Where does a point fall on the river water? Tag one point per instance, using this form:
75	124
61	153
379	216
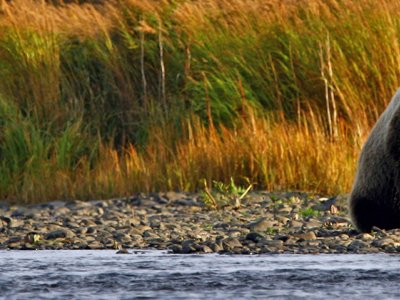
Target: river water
103	274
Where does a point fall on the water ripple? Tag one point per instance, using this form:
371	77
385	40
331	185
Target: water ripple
155	274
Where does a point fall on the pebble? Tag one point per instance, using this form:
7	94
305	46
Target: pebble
231	243
310	235
357	244
61	233
261	225
254	236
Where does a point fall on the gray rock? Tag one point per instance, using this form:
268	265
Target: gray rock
364	237
176	248
272	244
134	221
309	235
254	236
88	222
19	212
189	246
94	245
136	238
357	245
285	209
15	239
61	211
5	221
261	225
189	202
91	230
206	249
216	247
385	242
282	220
232	233
81	231
28	246
61	233
230	243
174	196
157	224
56	204
295	223
150	234
15	223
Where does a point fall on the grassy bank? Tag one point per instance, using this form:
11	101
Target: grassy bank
109	99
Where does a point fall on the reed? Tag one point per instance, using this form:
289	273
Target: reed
103	100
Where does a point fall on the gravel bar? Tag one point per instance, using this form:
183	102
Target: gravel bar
290	222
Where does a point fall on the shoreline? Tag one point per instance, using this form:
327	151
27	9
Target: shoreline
291	222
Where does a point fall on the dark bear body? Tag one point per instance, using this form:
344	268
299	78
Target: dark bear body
375	200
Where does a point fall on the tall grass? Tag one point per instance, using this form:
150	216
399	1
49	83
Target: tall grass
102	100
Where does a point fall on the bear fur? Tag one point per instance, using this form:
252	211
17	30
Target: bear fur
375	197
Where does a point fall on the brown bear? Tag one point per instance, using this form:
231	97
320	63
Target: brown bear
375	197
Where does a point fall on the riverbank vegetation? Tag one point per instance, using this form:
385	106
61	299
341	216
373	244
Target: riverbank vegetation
110	98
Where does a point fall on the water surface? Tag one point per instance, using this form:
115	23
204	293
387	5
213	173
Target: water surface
102	274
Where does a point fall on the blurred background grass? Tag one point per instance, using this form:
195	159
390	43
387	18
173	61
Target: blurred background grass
106	98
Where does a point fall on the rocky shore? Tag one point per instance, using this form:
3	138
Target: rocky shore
181	222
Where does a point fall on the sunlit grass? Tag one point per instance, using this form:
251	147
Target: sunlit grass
107	100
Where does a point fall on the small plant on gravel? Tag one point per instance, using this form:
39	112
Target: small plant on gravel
208	226
223	195
271	231
309	212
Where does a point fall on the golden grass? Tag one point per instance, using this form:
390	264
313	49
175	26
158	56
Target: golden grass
274	155
70	20
280	92
277	156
